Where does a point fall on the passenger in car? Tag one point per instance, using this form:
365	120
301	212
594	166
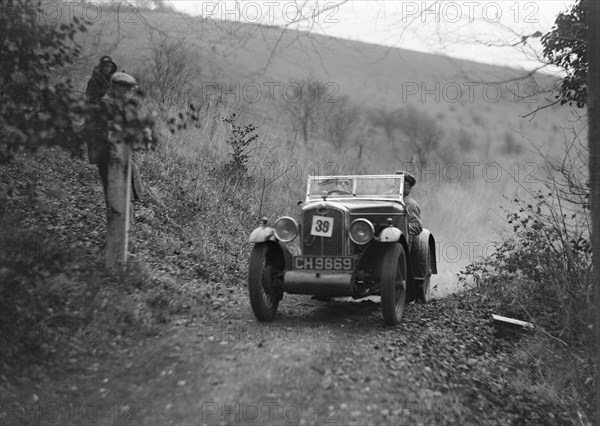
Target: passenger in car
415	226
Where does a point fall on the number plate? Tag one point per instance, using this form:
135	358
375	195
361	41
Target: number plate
322	226
324	263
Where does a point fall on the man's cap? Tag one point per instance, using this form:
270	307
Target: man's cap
123	79
407	177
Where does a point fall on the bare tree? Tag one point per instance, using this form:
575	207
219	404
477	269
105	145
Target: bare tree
342	122
173	68
387	121
303	101
420	132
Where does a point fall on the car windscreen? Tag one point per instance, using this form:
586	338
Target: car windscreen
356	187
378	187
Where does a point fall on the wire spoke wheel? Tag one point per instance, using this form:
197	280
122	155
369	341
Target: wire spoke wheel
264	296
424	286
393	284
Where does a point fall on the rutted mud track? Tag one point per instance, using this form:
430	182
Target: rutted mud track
317	363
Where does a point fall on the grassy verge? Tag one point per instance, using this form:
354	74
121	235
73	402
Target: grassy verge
187	249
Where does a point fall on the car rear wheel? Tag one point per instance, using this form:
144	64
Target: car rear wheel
393	284
263	289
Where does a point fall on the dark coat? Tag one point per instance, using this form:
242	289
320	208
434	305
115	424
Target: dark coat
99	149
95	127
97	86
415	226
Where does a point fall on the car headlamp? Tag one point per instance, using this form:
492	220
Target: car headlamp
286	229
361	231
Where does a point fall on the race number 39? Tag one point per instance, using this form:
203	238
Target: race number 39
322	226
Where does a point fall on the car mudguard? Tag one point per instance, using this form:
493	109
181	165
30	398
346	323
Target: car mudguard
423	245
279	254
262	234
369	263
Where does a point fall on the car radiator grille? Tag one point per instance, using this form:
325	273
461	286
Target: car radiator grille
323	246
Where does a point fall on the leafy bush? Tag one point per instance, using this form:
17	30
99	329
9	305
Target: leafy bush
565	47
240	140
542	270
35	108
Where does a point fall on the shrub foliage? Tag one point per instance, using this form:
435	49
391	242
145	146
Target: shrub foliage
36	108
541	270
565	46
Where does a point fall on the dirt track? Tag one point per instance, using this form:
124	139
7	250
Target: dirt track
317	363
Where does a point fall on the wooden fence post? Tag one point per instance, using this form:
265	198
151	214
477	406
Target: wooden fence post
119	204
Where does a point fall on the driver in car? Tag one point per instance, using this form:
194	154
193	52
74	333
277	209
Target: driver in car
338	186
344	186
415	226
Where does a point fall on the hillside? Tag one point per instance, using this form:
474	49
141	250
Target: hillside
487	148
459	94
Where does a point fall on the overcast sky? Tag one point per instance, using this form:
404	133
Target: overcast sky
464	29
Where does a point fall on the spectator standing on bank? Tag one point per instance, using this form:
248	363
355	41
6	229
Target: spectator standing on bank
99	82
121	105
98	85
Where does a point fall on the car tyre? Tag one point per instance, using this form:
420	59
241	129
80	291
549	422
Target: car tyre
424	286
264	296
393	284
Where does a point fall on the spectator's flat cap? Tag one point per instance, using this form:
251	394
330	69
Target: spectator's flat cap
122	79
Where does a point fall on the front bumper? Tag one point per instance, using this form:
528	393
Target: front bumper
318	283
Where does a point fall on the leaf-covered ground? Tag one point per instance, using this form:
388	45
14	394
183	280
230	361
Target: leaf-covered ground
317	363
172	339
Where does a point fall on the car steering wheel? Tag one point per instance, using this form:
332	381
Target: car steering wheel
339	191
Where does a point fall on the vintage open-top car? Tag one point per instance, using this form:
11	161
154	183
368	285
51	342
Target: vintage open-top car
354	241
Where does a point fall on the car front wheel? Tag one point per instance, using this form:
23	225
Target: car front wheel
393	284
263	289
423	287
